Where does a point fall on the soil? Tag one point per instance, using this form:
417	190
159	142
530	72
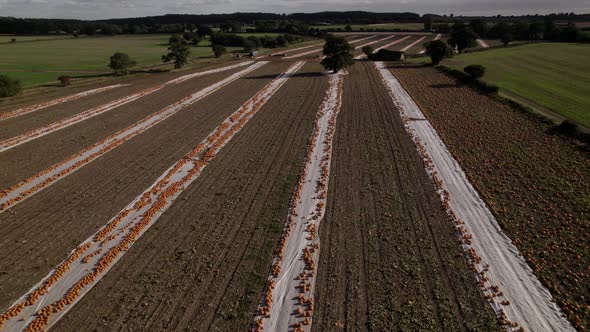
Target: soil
32	157
39	232
225	228
390	259
535	182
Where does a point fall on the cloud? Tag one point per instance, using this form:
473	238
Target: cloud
99	9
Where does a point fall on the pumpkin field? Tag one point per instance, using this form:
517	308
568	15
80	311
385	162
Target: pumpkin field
268	194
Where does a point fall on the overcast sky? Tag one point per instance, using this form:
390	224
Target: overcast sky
99	9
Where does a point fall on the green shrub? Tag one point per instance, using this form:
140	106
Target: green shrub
120	63
218	50
475	71
65	80
9	86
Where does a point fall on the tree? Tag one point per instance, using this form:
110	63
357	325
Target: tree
13	40
475	71
437	50
178	52
506	38
9	86
174	39
461	37
249	46
218	50
367	50
204	30
348	28
120	63
338	53
65	80
428	22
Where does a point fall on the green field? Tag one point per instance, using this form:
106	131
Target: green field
385	26
555	76
43	61
8	38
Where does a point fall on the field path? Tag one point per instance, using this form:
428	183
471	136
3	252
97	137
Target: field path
516	294
72	279
64	123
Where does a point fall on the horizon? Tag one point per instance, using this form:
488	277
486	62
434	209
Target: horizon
111	9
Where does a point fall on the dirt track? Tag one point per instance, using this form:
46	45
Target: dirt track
389	256
42	230
225	228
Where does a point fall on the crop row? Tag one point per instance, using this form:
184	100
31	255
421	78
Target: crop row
313	174
37	107
63	123
138	216
34	184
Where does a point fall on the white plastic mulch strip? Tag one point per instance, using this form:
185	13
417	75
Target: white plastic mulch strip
482	43
397	41
412	44
51	298
36	183
517	296
374	42
34	108
296	49
288	300
319	49
64	123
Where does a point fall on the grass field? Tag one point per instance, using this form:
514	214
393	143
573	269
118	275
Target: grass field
8	38
554	76
43	61
385	26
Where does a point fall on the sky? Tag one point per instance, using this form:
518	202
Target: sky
102	9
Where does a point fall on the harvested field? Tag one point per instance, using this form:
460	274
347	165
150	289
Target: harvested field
224	248
535	183
95	193
389	253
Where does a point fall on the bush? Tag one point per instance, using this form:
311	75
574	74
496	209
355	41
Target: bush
218	50
368	50
9	86
13	40
475	71
65	80
120	63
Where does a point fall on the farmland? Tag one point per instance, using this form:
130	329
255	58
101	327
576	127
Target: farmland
378	26
43	61
553	76
267	194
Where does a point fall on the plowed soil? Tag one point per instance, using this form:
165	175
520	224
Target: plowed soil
38	233
390	258
224	227
536	183
32	157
